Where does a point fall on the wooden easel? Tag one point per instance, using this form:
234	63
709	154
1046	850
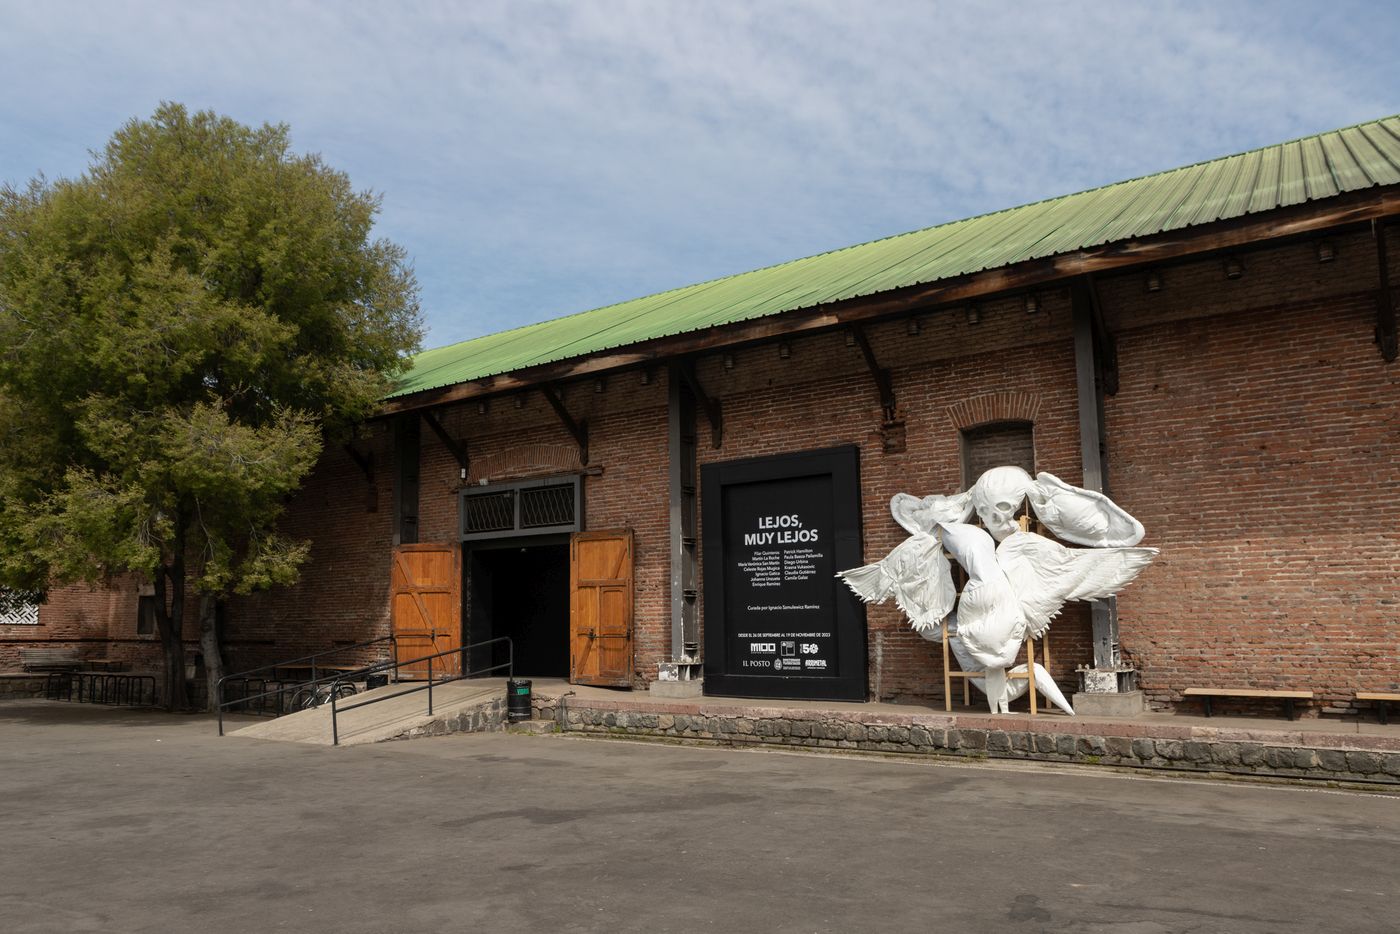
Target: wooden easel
949	674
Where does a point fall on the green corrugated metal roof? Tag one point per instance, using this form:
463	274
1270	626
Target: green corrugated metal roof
1315	167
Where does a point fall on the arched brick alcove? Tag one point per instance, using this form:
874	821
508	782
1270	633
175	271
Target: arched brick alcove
990	407
525	460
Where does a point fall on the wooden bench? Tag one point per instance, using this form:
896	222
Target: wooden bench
1288	697
1380	699
49	659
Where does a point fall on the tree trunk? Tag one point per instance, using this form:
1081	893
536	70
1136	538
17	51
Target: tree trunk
211	644
170	615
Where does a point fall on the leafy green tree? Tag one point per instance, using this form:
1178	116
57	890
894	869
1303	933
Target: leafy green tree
182	328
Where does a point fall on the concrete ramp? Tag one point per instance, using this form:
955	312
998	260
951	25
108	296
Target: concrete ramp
476	705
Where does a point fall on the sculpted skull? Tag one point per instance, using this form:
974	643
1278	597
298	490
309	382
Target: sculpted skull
997	496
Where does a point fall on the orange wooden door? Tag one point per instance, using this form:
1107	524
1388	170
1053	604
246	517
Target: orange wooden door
426	607
600	608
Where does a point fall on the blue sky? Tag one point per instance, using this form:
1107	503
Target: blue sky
538	158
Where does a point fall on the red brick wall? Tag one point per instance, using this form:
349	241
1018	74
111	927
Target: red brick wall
1255	434
1261	449
344	590
98	622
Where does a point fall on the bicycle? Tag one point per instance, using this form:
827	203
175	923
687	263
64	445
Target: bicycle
314	695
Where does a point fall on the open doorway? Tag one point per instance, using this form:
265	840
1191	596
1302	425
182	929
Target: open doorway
522	592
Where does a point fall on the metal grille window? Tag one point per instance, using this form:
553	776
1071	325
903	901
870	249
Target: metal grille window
488	512
547	505
534	507
27	615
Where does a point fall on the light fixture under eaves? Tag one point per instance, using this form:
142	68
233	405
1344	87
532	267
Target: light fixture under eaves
974	313
1326	251
1233	267
727	361
784	350
1153	282
911	327
1032	303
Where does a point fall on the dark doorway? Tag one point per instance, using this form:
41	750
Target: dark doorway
523	593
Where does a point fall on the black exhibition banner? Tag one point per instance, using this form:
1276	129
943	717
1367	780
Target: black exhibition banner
777	621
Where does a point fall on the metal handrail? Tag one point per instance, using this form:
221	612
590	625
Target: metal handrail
508	665
315	680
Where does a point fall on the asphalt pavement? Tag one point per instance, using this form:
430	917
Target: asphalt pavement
119	820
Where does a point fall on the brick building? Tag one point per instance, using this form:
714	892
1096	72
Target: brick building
1213	346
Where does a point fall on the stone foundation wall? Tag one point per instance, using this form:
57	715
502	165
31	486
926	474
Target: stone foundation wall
489	717
13	687
1273	753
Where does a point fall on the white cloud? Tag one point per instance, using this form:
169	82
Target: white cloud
541	158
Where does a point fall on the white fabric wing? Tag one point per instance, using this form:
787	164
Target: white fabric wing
917	515
1082	516
916	574
1045	574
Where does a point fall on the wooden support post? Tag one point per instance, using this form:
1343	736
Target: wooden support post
1030	673
947	672
1092	451
681	444
578	429
407	462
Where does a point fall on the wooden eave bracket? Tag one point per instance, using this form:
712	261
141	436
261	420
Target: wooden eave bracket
713	413
1385	304
883	384
578	429
458	449
366	464
1105	344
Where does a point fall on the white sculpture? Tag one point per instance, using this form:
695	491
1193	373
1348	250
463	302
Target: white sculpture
1014	589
